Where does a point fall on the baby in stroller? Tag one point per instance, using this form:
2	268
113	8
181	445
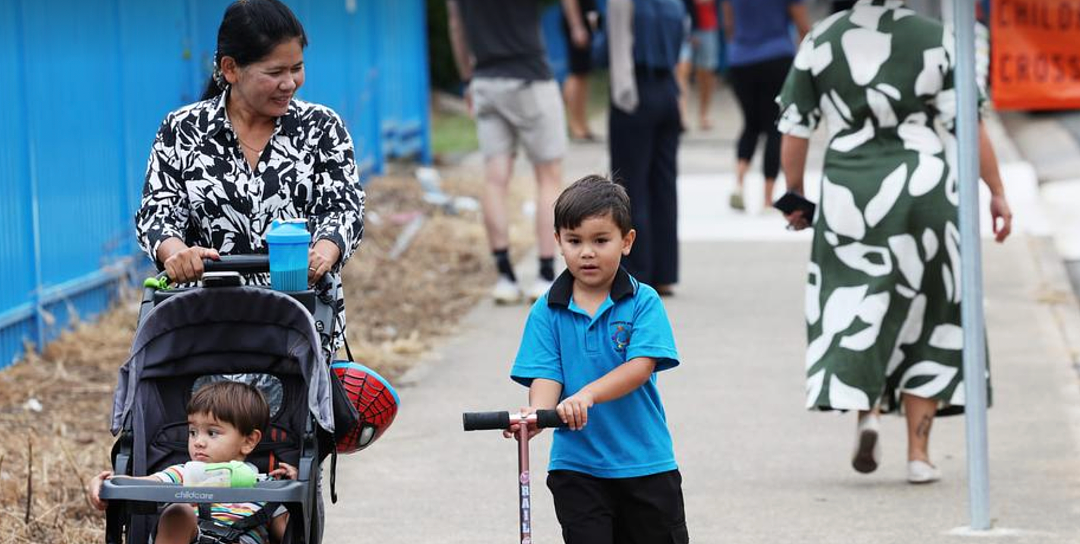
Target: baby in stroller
226	420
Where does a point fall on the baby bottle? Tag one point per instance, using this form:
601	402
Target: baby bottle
228	474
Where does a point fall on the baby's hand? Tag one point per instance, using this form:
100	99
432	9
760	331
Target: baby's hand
93	490
574	410
513	430
284	471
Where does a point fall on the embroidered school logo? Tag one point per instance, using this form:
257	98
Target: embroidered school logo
620	335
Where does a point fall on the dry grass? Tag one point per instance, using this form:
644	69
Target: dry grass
397	309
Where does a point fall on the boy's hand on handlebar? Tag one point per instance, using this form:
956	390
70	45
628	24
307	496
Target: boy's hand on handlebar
513	430
284	471
93	490
186	265
574	410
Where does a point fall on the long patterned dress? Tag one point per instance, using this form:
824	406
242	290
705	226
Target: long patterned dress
883	294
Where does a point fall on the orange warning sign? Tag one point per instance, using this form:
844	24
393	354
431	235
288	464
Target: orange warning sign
1035	54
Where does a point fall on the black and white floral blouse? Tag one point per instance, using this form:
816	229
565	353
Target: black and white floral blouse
201	189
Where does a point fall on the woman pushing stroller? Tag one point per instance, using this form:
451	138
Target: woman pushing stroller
220	170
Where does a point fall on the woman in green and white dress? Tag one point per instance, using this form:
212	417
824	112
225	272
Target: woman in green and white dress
883	294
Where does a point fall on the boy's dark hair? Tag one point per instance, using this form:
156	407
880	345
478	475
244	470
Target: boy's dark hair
236	403
593	196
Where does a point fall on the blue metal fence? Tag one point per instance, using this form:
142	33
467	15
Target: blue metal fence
85	86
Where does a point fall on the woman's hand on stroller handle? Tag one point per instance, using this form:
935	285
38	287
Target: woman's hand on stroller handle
184	264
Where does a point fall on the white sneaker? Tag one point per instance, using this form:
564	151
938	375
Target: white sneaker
867	446
506	291
921	472
539	288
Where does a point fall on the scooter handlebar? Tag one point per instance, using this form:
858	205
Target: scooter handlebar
489	421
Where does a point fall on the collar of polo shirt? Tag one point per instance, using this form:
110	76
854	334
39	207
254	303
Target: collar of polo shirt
563	288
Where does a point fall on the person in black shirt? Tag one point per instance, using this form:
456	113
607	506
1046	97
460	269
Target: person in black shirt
511	92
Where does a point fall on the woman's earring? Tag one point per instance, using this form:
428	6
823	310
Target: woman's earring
219	78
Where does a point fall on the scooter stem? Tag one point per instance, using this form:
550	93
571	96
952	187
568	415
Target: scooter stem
525	494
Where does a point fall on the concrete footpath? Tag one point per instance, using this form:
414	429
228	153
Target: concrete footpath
757	467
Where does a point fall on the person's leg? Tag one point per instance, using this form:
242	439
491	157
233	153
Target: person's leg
705	60
920	417
663	194
497	172
574	89
584	507
867	453
650	510
177	525
495	104
743	85
706	79
777	73
548	187
630	143
544	139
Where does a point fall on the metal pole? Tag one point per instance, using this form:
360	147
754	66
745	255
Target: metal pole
975	375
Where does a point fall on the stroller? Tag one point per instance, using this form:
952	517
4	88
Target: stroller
221	330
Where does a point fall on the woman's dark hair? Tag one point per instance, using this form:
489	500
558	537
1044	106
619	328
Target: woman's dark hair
249	31
593	196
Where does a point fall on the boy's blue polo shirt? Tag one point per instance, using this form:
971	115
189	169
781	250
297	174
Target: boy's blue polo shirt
626	437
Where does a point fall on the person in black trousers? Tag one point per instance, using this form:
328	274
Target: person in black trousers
644	129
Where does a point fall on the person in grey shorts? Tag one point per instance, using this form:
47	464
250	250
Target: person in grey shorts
511	91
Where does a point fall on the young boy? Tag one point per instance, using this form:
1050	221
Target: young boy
590	349
225	423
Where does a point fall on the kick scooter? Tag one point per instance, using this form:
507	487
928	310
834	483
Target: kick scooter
501	421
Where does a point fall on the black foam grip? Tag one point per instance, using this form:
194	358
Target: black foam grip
245	264
485	421
548	418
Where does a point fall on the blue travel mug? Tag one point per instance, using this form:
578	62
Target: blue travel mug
288	241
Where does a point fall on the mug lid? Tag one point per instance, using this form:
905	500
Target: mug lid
288	231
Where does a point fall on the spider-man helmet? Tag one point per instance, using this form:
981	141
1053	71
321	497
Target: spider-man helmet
375	400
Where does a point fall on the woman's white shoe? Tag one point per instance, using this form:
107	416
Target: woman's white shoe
867	445
921	472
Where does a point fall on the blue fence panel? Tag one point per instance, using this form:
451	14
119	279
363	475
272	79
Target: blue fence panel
88	84
364	43
17	263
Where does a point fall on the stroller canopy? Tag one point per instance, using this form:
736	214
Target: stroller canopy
226	330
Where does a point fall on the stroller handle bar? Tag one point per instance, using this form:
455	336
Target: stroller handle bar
488	421
245	264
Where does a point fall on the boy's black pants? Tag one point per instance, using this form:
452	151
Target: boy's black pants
642	510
